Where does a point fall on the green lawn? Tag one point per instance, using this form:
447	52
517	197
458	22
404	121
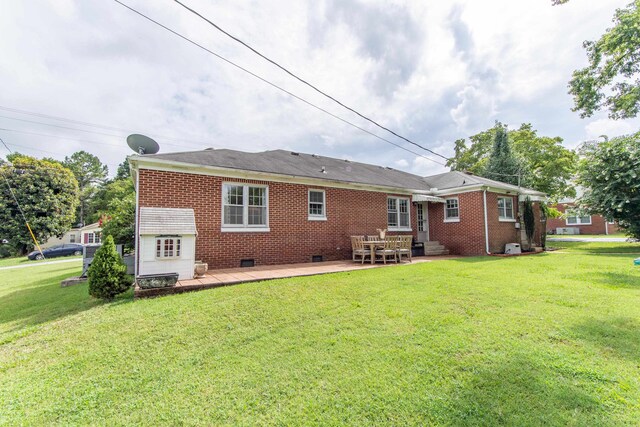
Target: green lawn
550	339
597	247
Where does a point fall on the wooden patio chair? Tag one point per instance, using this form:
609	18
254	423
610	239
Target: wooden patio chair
373	238
358	249
389	249
404	247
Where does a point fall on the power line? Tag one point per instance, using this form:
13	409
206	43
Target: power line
83	130
217	27
270	83
96	125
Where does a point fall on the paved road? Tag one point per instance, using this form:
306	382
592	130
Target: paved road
586	239
35	264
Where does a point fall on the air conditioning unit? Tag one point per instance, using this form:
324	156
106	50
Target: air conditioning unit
512	248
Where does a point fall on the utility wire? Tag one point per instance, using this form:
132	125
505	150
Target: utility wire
270	83
96	125
217	27
18	204
83	130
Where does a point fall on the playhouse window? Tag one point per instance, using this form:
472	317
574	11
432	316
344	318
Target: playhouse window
168	247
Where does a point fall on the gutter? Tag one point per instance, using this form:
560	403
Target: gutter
486	222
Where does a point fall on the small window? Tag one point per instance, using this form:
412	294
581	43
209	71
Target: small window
317	209
72	238
168	247
90	238
452	210
505	208
398	216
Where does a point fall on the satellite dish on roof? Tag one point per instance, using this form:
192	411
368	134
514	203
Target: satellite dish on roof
142	144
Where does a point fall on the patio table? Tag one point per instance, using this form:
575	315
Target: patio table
373	244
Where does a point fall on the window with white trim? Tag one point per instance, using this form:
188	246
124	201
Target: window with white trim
317	205
398	213
168	247
244	206
505	208
573	219
451	210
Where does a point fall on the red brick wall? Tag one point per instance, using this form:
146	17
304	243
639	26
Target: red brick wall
467	237
293	238
598	223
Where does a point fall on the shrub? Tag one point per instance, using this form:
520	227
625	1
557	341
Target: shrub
107	273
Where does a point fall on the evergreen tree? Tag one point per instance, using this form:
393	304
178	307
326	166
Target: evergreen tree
107	273
503	165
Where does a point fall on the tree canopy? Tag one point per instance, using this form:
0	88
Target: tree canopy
612	79
47	193
90	172
116	206
547	166
610	173
502	164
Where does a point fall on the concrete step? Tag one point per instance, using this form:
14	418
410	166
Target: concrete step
436	252
431	243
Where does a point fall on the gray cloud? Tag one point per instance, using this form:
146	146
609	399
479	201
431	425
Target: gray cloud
386	34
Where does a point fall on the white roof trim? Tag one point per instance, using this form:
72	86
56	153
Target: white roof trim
173	166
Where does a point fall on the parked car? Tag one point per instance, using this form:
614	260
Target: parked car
58	250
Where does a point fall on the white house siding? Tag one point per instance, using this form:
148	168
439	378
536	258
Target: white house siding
183	265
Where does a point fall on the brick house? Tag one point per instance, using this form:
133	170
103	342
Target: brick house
278	207
587	224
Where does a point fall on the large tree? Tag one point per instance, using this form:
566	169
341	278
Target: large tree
547	165
47	193
612	79
90	173
610	172
502	164
116	208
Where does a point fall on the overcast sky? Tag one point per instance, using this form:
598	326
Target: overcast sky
433	71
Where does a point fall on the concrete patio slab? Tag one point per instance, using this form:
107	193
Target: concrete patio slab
234	276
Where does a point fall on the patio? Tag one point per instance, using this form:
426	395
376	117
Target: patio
234	276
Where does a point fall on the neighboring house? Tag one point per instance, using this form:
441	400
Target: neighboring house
85	235
572	220
278	207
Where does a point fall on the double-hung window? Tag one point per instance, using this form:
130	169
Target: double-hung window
573	219
317	209
168	246
244	207
452	210
505	209
398	213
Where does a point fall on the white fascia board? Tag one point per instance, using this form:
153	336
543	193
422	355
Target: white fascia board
173	166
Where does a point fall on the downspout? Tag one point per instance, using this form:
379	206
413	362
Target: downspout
486	223
137	226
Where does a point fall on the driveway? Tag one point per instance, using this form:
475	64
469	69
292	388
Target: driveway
586	239
35	264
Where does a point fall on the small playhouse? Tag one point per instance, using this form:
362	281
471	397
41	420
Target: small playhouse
167	242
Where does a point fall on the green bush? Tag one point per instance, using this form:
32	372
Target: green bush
5	250
107	273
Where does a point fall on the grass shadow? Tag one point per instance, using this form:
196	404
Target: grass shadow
43	301
620	280
620	336
514	390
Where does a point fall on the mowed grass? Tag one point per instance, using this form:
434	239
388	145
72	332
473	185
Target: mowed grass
550	339
597	247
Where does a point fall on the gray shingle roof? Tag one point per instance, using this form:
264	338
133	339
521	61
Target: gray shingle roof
302	165
288	163
167	221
